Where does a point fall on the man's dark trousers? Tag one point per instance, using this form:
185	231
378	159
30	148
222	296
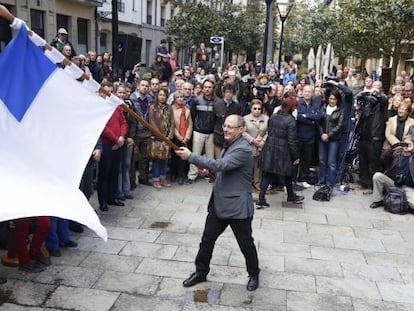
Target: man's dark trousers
214	227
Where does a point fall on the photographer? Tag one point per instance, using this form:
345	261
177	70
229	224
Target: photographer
261	88
398	173
371	128
332	83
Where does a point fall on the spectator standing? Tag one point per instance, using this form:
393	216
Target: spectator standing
161	117
280	152
61	40
307	121
256	134
141	102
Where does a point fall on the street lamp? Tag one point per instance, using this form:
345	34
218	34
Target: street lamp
284	8
266	34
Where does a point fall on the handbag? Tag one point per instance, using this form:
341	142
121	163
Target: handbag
157	150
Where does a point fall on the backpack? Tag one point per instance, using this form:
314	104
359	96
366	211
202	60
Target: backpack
395	201
323	194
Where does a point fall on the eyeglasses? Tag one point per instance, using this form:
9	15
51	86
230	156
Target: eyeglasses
225	126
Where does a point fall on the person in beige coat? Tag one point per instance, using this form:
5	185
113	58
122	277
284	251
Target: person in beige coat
255	134
397	127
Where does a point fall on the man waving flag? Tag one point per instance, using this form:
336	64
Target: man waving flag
49	125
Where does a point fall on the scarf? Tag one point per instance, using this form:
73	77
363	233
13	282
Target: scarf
183	125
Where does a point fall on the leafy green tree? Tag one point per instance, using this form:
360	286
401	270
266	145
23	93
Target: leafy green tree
196	23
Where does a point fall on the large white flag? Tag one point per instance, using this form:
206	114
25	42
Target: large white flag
49	125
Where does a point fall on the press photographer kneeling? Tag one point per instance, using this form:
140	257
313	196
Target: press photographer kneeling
399	173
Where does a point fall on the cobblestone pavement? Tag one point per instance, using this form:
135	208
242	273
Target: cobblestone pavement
337	255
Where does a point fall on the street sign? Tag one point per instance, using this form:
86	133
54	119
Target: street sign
216	40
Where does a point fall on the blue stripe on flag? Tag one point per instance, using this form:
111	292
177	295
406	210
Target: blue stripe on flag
24	69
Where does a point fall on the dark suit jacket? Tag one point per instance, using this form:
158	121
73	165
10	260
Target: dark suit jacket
232	196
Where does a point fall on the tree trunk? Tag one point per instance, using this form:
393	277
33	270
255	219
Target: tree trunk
395	59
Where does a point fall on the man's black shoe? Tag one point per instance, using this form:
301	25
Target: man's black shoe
253	283
129	197
376	204
31	267
3	280
180	181
144	182
69	244
194	279
55	252
116	202
122	198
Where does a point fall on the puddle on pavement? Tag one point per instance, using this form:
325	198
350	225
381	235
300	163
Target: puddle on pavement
206	295
160	224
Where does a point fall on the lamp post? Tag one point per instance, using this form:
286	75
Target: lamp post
266	34
284	8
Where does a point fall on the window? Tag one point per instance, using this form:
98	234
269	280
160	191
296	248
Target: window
102	42
121	6
82	36
149	19
37	22
62	21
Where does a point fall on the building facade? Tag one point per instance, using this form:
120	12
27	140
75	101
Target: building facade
45	17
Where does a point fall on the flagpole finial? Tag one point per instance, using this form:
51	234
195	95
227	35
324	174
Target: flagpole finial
5	13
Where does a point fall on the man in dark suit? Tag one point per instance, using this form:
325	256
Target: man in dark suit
231	201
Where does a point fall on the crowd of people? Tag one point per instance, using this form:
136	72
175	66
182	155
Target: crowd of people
291	125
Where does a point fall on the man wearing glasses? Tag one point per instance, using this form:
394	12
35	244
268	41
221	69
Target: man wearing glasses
231	201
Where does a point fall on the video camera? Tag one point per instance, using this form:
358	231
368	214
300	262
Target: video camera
262	90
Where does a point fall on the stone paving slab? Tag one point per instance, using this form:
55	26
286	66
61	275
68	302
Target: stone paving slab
349	221
399	247
123	222
132	234
131	283
238	296
166	268
397	292
266	263
111	262
358	244
407	274
304	217
347	287
98	245
82	299
152	250
145	303
13	307
376	234
299	301
387	259
70	257
221	256
276	225
313	239
312	266
337	254
278	249
375	305
172	288
371	273
206	307
25	293
69	276
288	281
331	230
